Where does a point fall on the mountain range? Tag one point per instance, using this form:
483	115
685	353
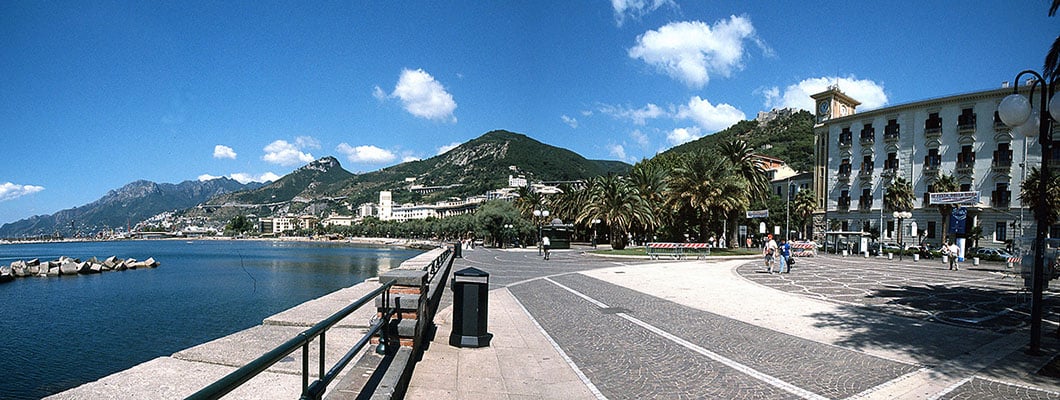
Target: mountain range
472	168
322	186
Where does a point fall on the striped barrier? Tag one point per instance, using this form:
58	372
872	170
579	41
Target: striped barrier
803	249
677	251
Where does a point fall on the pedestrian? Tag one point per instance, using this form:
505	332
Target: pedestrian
785	257
953	250
770	253
546	244
748	242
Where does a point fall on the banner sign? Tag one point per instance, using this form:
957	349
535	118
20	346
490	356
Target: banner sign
954	198
958	218
758	214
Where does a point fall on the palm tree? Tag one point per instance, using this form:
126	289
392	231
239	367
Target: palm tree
528	201
1029	196
944	183
1052	58
612	200
649	180
804	204
708	185
899	196
742	157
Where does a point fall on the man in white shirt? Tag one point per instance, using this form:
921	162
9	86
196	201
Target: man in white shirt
771	253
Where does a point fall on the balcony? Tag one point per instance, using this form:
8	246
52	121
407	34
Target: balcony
844	204
965	167
1001	198
864	204
865	174
845	139
998	125
933	132
1002	162
966	124
889	172
891	137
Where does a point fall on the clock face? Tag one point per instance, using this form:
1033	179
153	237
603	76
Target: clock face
823	107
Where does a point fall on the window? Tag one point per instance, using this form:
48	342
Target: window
933	124
966	158
966	120
931	229
844	167
868	134
966	187
1000	233
865	201
1003	155
845	226
866	164
845	137
890	229
1001	197
891	162
892	130
932	160
844	200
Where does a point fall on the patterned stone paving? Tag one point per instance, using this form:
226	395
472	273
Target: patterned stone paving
626	361
979	298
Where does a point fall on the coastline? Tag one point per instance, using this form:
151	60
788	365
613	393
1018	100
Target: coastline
420	244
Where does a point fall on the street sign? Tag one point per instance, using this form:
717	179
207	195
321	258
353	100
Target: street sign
954	198
758	214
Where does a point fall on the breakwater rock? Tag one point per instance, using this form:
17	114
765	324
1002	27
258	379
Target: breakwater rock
66	266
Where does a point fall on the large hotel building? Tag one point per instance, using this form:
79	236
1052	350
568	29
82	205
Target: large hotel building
858	154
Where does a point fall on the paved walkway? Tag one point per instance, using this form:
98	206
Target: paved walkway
580	326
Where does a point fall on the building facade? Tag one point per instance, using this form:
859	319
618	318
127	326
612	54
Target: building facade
859	154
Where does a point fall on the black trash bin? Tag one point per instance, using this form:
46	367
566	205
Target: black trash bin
470	300
458	250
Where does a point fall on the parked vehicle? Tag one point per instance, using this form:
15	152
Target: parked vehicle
991	253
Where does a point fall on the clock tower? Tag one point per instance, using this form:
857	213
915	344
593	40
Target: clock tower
833	103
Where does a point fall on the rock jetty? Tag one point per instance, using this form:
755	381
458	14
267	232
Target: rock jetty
66	266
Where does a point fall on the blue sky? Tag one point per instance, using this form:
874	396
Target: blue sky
95	95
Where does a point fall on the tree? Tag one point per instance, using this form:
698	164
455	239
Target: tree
491	217
612	200
238	225
803	205
1052	58
944	183
709	186
899	195
1029	195
746	165
649	180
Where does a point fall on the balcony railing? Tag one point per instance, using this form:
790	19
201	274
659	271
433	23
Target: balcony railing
965	167
865	173
864	204
933	132
844	204
966	124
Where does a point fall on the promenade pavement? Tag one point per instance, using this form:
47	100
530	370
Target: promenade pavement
583	327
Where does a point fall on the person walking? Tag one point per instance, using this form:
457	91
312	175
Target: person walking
546	244
953	250
770	252
785	256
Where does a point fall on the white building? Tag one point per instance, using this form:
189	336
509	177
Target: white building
858	154
442	209
277	225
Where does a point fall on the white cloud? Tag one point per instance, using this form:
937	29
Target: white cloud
378	93
639	116
222	151
639	137
306	142
208	177
11	191
709	117
572	122
636	8
692	51
283	153
617	151
406	159
869	93
424	97
245	178
682	135
445	149
366	154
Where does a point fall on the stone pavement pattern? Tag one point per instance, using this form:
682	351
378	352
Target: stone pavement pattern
718	329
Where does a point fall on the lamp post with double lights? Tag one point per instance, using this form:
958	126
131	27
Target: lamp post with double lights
539	214
1017	113
596	221
900	215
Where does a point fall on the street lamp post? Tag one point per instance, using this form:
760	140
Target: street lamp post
595	222
787	214
507	235
539	214
900	215
1016	112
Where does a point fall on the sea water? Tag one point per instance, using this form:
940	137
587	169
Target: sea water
60	332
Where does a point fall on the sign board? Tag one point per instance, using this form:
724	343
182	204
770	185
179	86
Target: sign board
958	218
758	214
954	198
743	230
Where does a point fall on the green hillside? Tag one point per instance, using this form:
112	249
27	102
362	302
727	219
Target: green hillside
789	138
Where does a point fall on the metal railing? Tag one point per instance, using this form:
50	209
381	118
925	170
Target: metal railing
315	390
